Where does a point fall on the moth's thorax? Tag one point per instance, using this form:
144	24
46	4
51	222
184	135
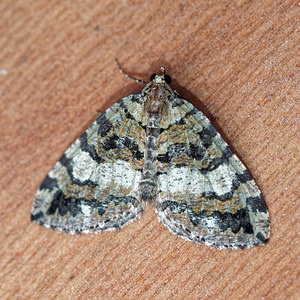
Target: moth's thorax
156	93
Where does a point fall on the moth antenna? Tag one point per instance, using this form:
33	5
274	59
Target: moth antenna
127	75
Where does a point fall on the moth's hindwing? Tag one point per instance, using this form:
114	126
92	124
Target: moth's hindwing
93	187
206	194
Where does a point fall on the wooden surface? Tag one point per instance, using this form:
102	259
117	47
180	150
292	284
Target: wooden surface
236	60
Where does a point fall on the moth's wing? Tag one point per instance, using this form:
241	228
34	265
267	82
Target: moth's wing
206	194
93	187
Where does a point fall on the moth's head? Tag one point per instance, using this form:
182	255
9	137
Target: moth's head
160	77
158	88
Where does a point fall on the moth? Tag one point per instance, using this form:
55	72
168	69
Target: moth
154	147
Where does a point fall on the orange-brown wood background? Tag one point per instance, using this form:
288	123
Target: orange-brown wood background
236	60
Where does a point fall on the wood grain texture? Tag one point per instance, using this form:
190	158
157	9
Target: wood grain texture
237	60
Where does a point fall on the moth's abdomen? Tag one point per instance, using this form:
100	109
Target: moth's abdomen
148	183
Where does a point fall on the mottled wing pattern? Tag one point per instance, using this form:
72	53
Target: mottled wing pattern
93	187
206	195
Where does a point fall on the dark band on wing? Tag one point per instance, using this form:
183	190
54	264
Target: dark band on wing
257	204
104	125
182	120
128	115
114	142
90	149
261	237
207	134
49	183
133	147
196	152
176	101
235	221
216	162
36	216
63	205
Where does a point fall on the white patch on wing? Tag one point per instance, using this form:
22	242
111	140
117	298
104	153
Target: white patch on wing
210	222
120	172
56	170
124	174
221	179
236	164
83	166
73	149
184	179
116	174
42	200
86	209
252	188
